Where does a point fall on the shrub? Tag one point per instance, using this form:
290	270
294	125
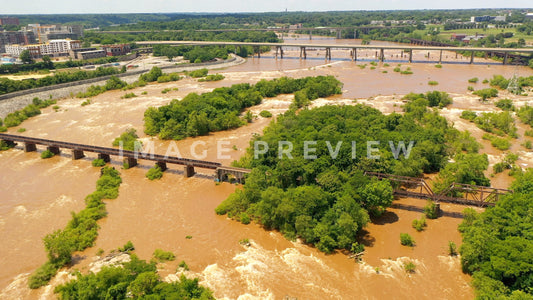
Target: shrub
431	82
486	93
47	154
470	88
128	95
162	256
406	72
409	267
244	242
212	77
189	237
21	129
86	102
499	143
529	133
144	93
128	247
3	129
505	104
485	81
42	275
528	145
499	81
154	173
5	145
245	218
265	114
397	69
183	265
452	248
198	73
419	225
406	240
431	210
473	80
438	66
128	139
98	162
164	91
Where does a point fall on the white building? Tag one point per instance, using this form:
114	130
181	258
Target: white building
51	48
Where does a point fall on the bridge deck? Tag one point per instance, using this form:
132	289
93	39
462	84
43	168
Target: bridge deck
112	151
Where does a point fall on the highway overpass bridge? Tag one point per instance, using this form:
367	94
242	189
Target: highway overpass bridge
503	52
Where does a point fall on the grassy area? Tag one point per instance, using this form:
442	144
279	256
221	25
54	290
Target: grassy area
487	31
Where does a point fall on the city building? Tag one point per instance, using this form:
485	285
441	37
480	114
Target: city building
44	33
87	53
116	50
52	48
478	19
9	21
529	16
16	37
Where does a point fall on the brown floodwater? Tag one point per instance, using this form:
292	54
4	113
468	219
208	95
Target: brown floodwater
38	195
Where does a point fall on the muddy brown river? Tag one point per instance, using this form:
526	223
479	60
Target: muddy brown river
38	195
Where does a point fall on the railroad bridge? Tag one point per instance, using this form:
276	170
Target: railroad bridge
458	193
129	157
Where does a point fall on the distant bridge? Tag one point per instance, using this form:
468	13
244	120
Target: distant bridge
505	52
465	194
130	157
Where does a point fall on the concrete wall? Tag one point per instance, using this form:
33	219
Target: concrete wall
17	100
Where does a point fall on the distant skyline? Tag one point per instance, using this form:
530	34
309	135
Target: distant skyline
166	6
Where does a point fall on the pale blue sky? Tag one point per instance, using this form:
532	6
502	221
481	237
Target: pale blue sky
154	6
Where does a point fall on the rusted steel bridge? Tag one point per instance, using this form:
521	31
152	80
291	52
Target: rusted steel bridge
458	193
129	157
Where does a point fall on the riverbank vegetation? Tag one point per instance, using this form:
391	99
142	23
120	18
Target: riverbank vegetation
326	200
219	110
16	118
128	140
9	85
135	279
81	231
497	246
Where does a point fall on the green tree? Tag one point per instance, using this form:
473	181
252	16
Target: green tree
25	57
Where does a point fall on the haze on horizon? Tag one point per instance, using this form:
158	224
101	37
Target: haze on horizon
217	6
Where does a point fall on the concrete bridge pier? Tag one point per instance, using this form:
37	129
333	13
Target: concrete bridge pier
53	149
162	165
77	154
339	34
472	57
505	58
440	57
30	147
328	53
188	171
310	34
303	53
354	54
381	55
129	162
410	55
104	157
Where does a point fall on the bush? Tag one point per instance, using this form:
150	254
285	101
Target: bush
438	66
5	145
406	240
452	248
397	69
245	218
128	140
212	77
431	82
47	154
21	130
164	91
431	210
473	80
528	145
128	95
499	143
154	173
42	275
98	162
183	265
198	73
419	225
486	93
499	81
409	267
86	102
128	247
164	255
265	114
505	104
470	88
